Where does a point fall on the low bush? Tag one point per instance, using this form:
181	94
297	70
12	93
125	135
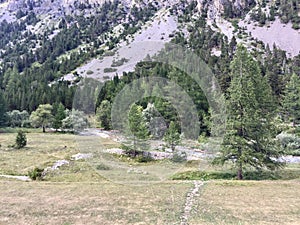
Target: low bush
102	167
145	158
36	174
179	157
110	70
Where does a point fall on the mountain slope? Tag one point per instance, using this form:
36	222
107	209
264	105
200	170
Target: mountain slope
47	45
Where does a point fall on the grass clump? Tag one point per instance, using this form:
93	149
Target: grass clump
36	174
203	175
102	166
179	157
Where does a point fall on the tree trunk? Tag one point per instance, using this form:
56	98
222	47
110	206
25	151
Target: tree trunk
134	147
44	129
240	172
173	147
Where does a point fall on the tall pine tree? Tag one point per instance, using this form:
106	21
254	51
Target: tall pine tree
291	102
250	133
137	125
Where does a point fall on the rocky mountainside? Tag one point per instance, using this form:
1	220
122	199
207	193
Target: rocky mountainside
55	43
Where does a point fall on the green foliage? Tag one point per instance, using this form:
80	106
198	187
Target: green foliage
291	102
144	158
250	132
59	116
110	70
288	10
3	118
17	118
36	174
154	121
137	125
103	114
21	140
75	120
179	157
119	62
204	175
290	143
56	55
102	167
231	175
172	136
163	111
42	117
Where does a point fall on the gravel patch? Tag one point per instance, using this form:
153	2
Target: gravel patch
283	35
190	202
59	163
80	156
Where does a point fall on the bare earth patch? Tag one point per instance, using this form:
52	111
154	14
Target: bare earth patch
283	35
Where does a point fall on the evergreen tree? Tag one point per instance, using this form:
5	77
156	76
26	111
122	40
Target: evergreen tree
103	114
2	110
59	116
172	136
291	101
250	133
137	125
42	117
21	140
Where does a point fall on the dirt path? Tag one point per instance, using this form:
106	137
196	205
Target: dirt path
190	202
22	178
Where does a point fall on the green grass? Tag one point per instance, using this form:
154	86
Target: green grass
289	173
109	189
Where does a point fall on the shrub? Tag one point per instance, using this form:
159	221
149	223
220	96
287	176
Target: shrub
110	70
145	157
296	26
21	140
179	157
102	167
290	143
36	174
89	72
204	175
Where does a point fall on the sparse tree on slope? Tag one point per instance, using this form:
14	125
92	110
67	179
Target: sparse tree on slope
250	133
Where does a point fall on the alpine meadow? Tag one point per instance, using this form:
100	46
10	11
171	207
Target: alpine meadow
150	112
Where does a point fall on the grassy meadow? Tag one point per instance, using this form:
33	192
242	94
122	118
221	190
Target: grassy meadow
87	191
